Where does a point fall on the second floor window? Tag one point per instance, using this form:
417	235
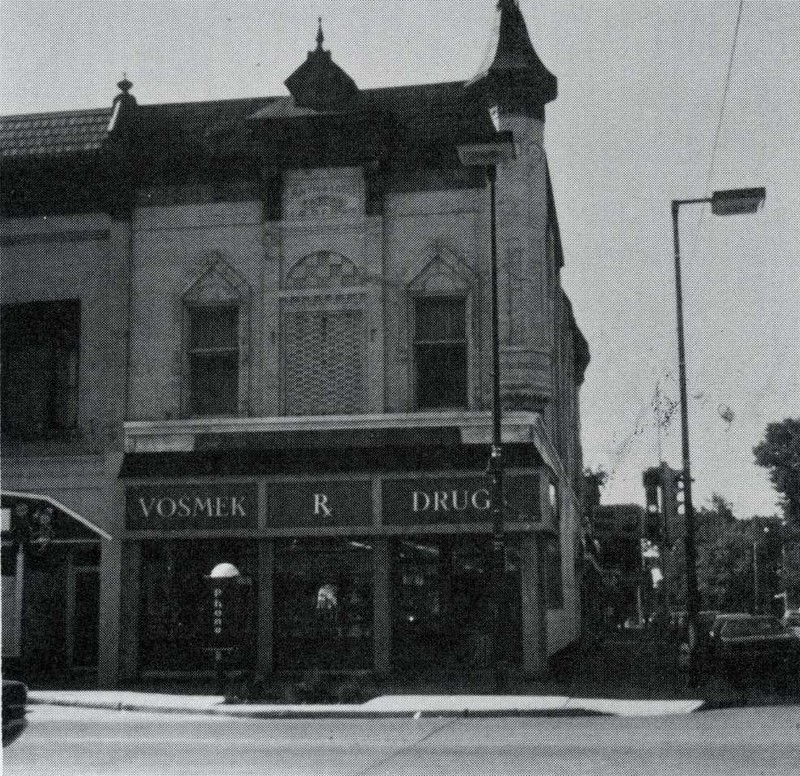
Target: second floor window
214	360
40	347
440	352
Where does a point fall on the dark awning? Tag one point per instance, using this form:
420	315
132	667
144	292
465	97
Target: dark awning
35	513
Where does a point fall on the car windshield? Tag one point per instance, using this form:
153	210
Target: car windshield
752	627
707	619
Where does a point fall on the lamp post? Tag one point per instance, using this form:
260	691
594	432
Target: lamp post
488	155
723	203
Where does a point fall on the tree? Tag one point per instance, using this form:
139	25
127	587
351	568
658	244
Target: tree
724	559
779	452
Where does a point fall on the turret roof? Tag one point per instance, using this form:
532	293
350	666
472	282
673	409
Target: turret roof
511	57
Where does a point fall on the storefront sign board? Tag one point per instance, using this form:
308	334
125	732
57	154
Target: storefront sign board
192	506
458	500
315	504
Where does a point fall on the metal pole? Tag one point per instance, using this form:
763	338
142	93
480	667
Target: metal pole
220	672
756	591
496	458
692	594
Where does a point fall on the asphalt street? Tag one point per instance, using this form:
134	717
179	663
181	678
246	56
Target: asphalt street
63	741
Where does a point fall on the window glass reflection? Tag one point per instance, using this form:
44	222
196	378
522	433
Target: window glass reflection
443	603
174	602
322	603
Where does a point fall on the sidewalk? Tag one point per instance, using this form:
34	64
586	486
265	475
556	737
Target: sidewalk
385	706
628	674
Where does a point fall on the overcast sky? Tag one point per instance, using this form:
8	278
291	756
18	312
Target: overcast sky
640	92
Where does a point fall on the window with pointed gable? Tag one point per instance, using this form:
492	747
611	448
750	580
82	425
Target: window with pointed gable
440	318
216	315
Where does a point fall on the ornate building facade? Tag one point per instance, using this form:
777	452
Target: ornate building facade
258	331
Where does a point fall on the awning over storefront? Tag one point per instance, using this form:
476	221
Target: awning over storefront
36	517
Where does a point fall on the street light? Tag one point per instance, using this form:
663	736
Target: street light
488	155
723	203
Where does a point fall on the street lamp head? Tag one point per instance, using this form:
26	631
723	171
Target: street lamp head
730	202
489	153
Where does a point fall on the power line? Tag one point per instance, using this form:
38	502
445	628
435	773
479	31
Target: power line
724	96
720	121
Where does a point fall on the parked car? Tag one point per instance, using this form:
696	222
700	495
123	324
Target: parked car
721	619
706	620
15	696
791	621
753	644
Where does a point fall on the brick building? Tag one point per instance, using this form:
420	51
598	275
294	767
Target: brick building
260	332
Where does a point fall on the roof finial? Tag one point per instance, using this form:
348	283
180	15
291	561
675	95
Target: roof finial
320	36
125	85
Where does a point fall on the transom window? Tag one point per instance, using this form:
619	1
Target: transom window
440	352
214	360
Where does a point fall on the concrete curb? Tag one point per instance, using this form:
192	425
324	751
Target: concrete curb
342	711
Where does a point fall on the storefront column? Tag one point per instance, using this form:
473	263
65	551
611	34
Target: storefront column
534	619
109	615
129	625
266	569
382	615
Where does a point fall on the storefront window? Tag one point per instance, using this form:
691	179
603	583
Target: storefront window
322	604
175	600
443	602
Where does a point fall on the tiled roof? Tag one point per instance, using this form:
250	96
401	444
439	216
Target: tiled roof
426	116
48	134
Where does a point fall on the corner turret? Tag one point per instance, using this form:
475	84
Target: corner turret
512	76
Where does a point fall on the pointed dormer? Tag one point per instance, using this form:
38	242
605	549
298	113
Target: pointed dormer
319	83
512	76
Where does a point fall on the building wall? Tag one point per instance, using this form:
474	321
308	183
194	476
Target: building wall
136	277
67	257
427	242
174	248
76	257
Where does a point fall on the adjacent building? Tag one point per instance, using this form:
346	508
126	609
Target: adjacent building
258	331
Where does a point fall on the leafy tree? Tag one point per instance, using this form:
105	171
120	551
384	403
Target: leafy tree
724	559
779	452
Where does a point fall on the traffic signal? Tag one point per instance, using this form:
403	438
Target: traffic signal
674	503
664	504
651	478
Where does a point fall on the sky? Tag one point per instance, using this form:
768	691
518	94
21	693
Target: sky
641	88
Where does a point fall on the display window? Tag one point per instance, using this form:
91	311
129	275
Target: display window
443	599
323	604
175	600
